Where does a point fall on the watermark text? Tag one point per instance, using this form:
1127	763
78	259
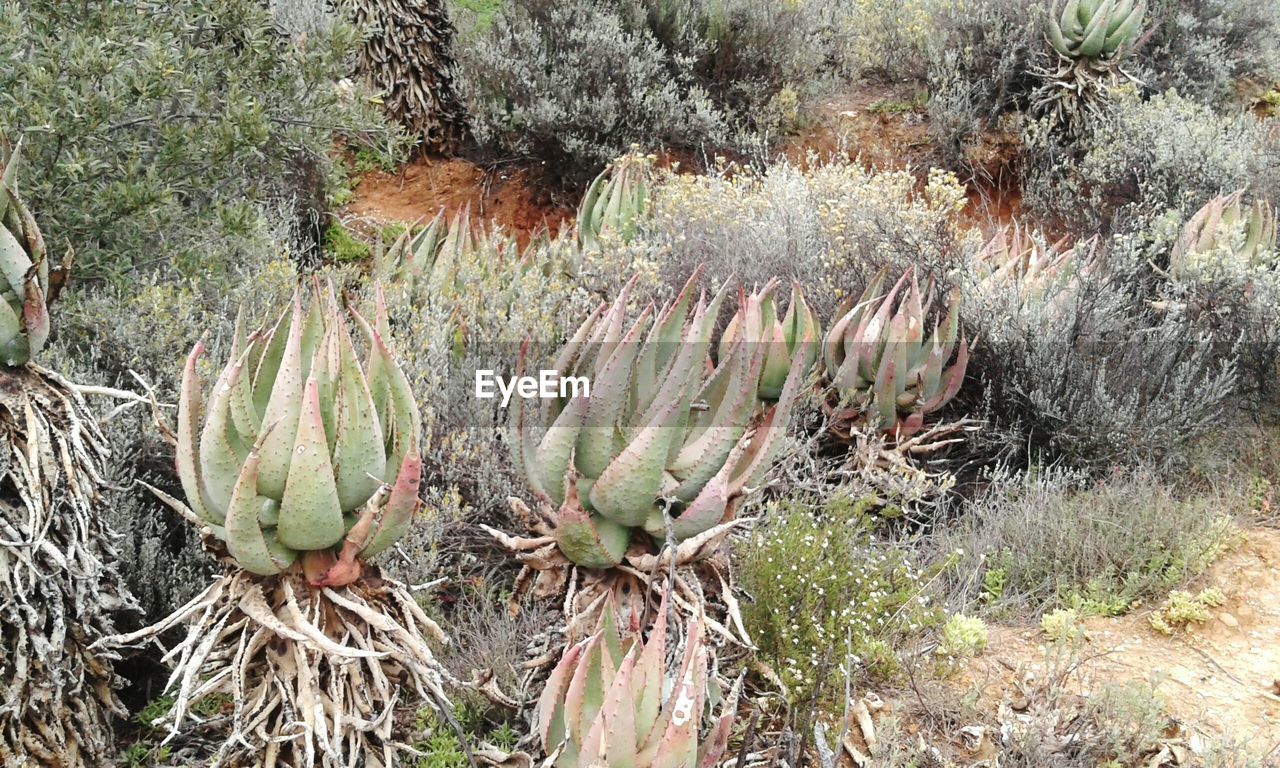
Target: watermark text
547	384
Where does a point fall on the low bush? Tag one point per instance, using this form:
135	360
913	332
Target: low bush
745	51
1224	287
575	84
886	41
1088	376
1053	539
1210	50
979	70
1144	157
819	585
830	227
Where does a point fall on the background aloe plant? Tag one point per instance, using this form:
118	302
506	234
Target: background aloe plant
1095	29
880	366
1225	234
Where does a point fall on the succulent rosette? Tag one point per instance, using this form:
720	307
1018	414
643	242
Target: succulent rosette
1225	234
881	367
301	454
785	336
665	433
1095	29
612	700
24	273
616	201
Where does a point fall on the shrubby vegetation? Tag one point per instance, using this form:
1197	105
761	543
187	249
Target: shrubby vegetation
174	119
1085	374
1048	540
573	85
952	423
831	227
980	71
844	592
1211	50
1144	157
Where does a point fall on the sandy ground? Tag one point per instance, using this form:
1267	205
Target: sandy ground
1221	678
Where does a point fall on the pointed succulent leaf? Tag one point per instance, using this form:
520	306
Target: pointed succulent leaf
310	515
401	506
586	539
245	539
282	410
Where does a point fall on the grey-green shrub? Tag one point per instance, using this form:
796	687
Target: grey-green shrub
149	125
979	69
1239	303
1144	157
830	226
575	83
1210	50
1088	375
883	41
744	51
1051	538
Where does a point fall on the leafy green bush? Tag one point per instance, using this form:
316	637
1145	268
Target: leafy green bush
820	584
148	126
1059	540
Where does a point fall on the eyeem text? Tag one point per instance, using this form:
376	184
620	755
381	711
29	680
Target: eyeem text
547	384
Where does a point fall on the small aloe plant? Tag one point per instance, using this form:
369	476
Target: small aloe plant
663	431
612	700
301	451
882	366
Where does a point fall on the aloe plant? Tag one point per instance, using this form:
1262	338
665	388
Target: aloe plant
663	430
1095	29
615	201
795	333
882	368
612	700
300	449
1227	234
24	272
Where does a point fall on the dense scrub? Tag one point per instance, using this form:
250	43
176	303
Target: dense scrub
891	422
